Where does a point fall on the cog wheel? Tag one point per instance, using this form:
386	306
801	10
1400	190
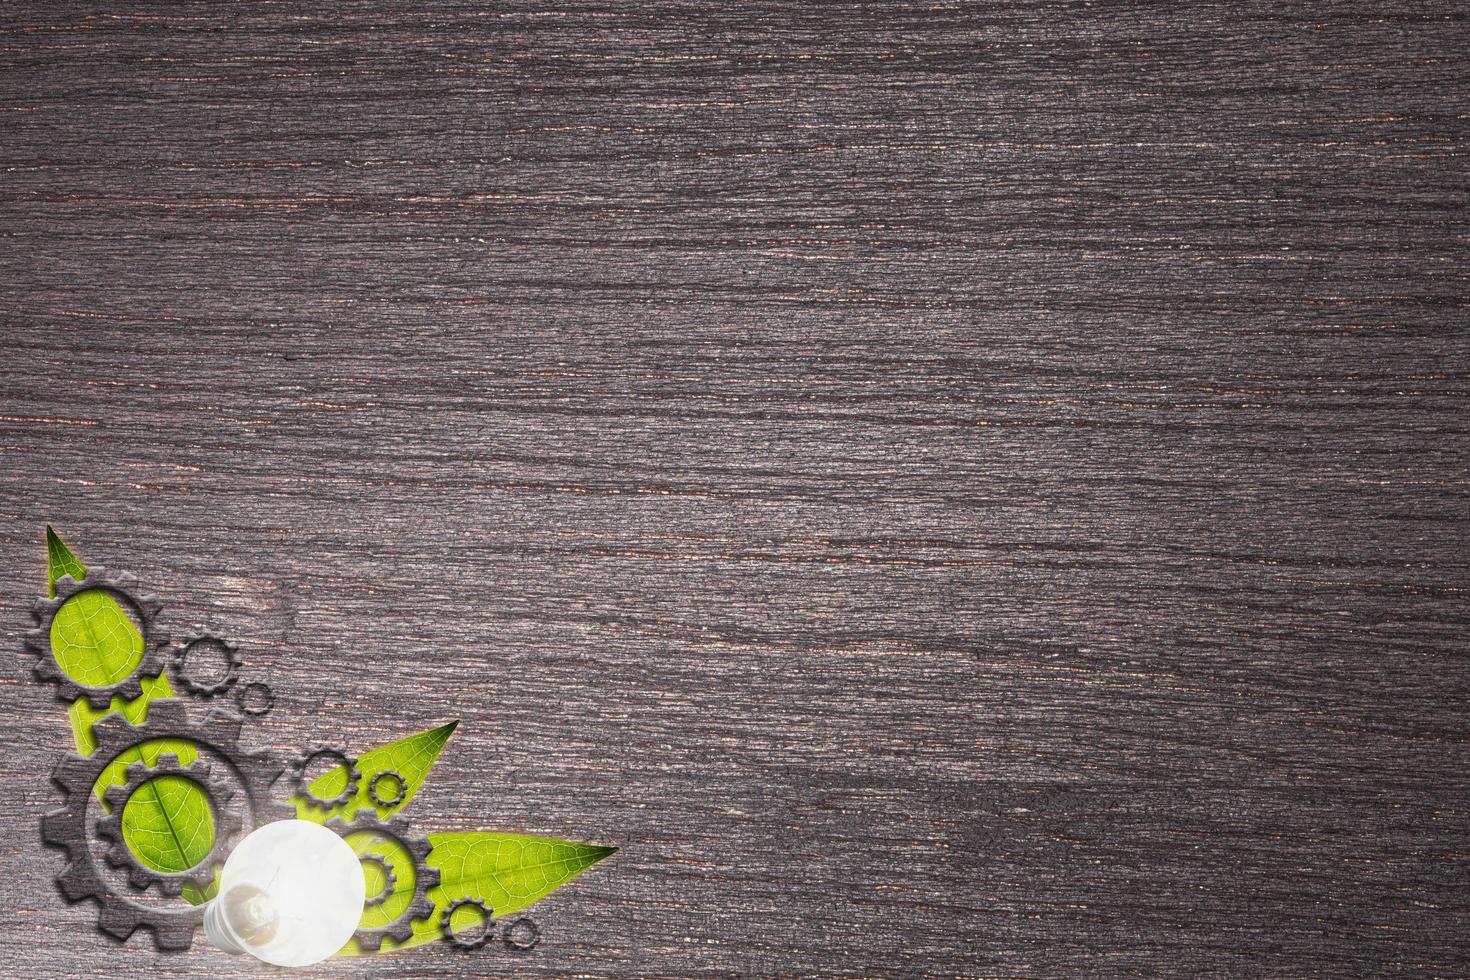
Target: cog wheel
227	824
298	777
471	942
390	880
373	788
120	915
38	640
530	941
424	877
248	705
232	664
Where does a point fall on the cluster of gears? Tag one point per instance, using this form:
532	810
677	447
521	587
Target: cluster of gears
522	934
237	784
255	698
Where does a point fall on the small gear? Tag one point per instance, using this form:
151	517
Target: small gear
424	877
373	788
463	942
298	777
243	699
522	944
38	640
390	880
232	664
227	824
120	915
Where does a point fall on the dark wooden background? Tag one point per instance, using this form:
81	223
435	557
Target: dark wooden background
951	489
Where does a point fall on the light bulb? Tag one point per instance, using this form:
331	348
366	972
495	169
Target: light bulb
290	894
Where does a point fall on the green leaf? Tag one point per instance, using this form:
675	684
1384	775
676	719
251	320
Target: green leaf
152	819
96	642
410	757
507	872
60	561
93	639
175	823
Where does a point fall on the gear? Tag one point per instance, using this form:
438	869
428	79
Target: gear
38	640
302	790
390	880
227	824
522	944
471	942
232	664
242	698
424	877
118	914
373	788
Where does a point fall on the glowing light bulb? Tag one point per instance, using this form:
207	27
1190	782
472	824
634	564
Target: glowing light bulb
290	894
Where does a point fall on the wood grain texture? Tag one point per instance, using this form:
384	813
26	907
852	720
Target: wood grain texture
951	489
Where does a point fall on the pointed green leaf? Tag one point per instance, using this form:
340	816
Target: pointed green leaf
507	872
410	757
93	639
60	561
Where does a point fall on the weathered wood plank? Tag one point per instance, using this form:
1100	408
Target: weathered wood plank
949	488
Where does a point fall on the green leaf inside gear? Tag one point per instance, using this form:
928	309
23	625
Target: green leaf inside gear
508	872
185	818
410	757
154	817
93	639
168	828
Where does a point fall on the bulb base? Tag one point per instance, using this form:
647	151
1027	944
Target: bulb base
218	930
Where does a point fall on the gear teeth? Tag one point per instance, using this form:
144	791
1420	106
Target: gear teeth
233	664
116	920
75	883
455	940
73	772
53	828
174	938
302	791
168	711
226	825
390	880
120	913
112	726
38	640
224	725
424	877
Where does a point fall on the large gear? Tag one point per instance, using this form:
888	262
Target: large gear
302	790
38	640
120	915
424	877
227	824
232	664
